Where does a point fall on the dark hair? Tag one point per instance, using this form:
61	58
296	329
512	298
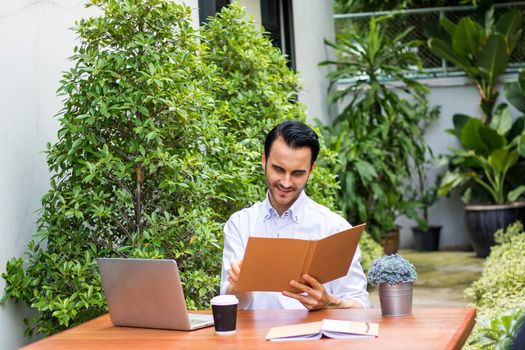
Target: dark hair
296	135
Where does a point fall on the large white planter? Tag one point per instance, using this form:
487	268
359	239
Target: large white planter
396	299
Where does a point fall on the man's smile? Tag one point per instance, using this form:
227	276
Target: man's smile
285	191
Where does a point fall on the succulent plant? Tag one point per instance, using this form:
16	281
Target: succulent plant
392	269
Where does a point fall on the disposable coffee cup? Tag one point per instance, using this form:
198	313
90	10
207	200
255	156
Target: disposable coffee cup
224	308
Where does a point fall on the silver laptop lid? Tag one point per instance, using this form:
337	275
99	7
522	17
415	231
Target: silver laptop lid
144	293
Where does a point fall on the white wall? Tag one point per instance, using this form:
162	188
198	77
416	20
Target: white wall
194	5
35	44
313	22
253	8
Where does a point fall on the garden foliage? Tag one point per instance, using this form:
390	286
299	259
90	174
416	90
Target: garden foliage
160	141
499	294
377	186
488	168
481	47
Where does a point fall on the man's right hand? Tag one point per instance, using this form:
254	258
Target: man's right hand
233	276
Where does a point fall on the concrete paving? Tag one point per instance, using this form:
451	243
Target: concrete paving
442	277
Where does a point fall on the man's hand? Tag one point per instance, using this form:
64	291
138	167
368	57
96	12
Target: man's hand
317	297
233	276
245	298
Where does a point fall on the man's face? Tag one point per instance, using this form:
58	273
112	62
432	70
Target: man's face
287	172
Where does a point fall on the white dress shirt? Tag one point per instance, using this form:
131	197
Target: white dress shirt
305	219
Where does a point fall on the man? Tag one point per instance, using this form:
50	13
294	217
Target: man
290	152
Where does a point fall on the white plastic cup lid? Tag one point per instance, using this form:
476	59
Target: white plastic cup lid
227	299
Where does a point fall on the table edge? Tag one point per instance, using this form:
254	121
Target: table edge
462	334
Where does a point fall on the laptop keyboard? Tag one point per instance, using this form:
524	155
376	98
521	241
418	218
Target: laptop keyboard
196	319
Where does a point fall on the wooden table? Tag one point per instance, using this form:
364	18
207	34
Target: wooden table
425	329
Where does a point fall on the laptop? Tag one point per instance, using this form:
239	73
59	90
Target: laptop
147	293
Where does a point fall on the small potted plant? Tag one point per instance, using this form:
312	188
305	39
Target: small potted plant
394	275
426	236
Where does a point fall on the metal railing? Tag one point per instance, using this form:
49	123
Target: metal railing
433	66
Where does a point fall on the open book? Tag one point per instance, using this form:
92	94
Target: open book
329	328
270	264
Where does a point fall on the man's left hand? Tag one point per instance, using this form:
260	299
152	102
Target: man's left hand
316	295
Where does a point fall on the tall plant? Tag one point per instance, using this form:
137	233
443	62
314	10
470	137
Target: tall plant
379	133
481	49
489	167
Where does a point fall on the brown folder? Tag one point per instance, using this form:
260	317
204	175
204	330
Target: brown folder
270	264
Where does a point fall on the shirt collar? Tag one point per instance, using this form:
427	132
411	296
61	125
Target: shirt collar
295	211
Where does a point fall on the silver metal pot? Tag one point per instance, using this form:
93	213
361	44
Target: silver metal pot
396	299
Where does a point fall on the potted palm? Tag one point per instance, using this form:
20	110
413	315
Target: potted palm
488	169
394	275
489	174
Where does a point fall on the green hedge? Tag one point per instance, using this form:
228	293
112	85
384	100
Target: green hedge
499	294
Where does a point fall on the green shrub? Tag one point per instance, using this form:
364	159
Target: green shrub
502	283
129	172
499	332
501	288
370	251
257	92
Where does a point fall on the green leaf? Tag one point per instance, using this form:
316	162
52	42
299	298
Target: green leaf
509	23
448	25
515	95
480	138
467	38
521	145
459	121
350	184
501	120
493	58
445	51
366	171
517	129
451	181
516	193
501	160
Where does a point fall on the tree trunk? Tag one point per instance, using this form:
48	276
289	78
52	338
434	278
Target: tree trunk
138	203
